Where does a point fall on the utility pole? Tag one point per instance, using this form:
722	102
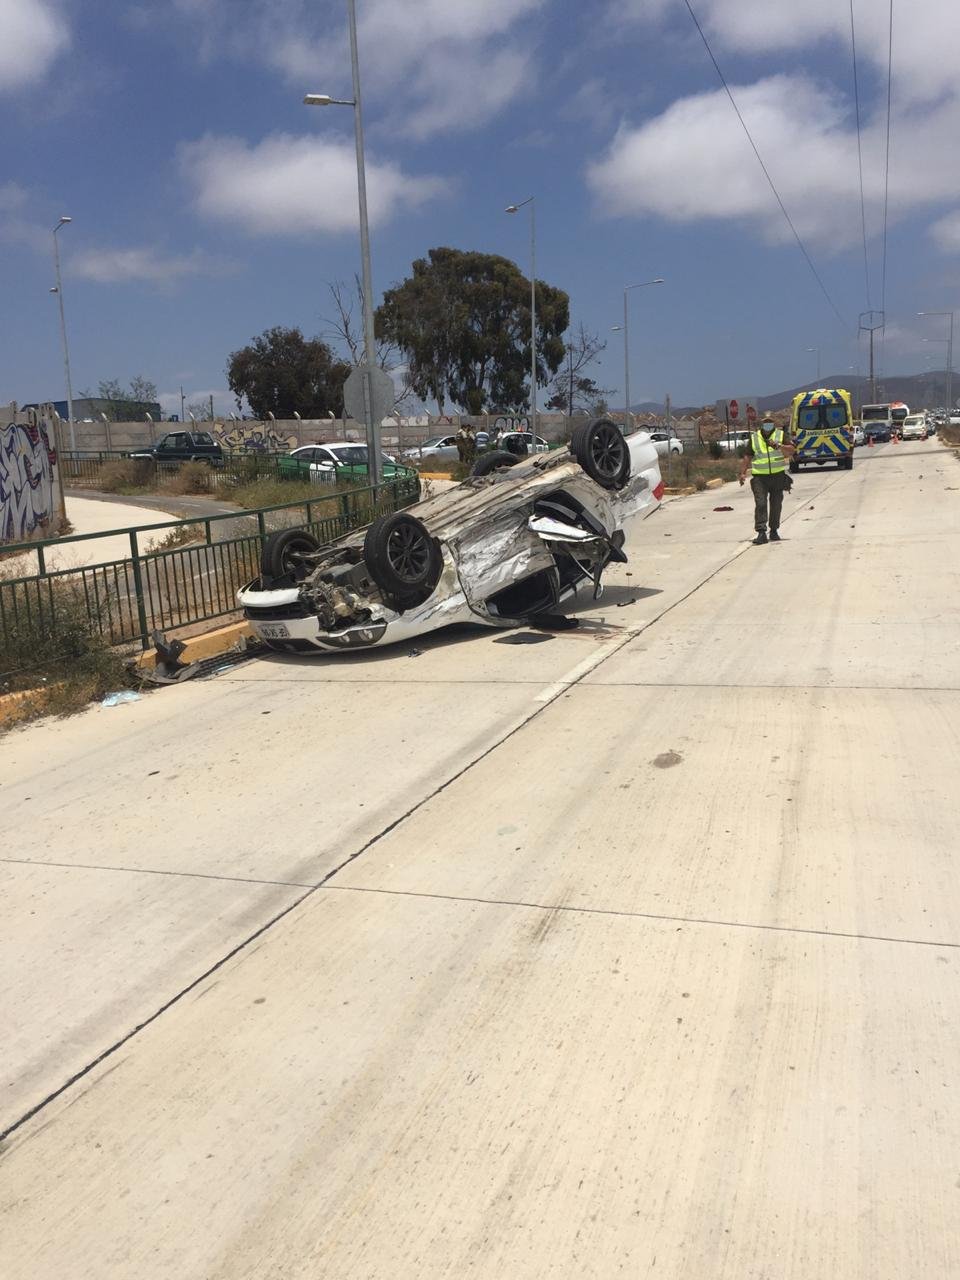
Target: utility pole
870	322
211	406
63	330
182	412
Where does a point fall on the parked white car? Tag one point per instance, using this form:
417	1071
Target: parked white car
666	441
511	542
858	436
914	427
519	442
331	462
734	440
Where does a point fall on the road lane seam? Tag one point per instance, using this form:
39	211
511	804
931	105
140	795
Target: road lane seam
155	871
647	915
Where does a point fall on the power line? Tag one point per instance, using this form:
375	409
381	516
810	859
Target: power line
766	173
886	167
863	207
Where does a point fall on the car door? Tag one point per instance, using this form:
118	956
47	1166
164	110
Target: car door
173	447
324	465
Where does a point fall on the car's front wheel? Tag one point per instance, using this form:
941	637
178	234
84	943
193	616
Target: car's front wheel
284	550
403	560
602	452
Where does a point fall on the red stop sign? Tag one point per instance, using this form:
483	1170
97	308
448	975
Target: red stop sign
751	413
734	410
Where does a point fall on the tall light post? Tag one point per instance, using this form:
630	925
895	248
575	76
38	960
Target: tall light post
58	290
627	416
816	350
515	208
374	462
949	342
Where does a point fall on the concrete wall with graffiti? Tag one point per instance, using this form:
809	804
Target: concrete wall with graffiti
277	436
31	501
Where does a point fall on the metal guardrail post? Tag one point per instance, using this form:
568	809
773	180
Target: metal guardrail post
138	587
41	561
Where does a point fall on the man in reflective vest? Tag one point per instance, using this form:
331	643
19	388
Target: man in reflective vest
767	455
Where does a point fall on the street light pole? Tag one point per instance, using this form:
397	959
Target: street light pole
63	331
949	342
515	208
374	462
626	346
817	350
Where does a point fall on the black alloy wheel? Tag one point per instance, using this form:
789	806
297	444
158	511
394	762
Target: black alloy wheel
602	451
403	559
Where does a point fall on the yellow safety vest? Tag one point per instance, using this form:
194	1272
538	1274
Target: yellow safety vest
768	460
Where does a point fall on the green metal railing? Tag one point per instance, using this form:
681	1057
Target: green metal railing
88	468
156	587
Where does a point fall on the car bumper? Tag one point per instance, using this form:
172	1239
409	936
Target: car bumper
281	620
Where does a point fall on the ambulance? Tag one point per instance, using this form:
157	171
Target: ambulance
821	426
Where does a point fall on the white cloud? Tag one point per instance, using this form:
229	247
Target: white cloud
15	227
32	35
925	35
124	266
428	66
946	233
289	185
693	161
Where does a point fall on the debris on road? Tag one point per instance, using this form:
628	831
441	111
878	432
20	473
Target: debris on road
120	697
170	670
723	508
553	622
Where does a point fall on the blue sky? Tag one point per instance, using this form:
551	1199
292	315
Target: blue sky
208	203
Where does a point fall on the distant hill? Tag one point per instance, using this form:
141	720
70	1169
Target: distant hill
919	390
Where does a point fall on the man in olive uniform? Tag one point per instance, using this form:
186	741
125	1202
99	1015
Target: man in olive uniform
766	459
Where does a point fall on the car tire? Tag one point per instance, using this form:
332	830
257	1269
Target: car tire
847	464
602	451
283	551
401	556
494	461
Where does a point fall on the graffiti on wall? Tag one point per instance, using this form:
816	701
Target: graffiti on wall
255	437
506	423
27	462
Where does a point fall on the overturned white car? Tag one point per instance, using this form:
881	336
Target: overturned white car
511	542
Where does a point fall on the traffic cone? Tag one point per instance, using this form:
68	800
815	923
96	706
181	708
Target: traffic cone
896	438
870	442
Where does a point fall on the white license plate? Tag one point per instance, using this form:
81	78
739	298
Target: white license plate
274	631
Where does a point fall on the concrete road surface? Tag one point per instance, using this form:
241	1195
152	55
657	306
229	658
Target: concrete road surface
631	952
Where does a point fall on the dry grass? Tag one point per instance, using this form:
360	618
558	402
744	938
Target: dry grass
59	655
121	476
190	477
180	535
695	467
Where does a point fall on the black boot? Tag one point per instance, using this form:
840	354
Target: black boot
774	535
761	538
